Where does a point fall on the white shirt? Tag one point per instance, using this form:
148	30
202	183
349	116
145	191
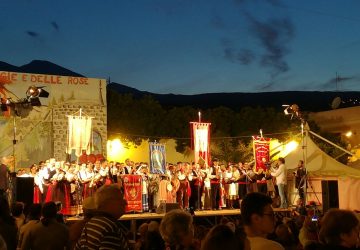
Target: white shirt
280	174
260	243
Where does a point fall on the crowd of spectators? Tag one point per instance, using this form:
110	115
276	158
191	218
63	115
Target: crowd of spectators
258	227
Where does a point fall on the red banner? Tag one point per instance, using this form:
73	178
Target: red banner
133	192
261	147
201	141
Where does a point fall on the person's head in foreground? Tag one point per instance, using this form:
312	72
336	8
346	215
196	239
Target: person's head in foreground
339	228
110	199
176	228
222	237
257	214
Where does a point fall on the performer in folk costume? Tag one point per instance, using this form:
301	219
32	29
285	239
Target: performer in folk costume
105	172
196	184
260	176
206	196
242	181
98	179
143	171
46	173
222	202
164	193
53	176
176	186
182	193
114	171
231	175
87	179
128	168
250	178
71	177
61	189
215	184
38	186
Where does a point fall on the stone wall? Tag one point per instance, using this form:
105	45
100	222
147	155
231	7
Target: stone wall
60	124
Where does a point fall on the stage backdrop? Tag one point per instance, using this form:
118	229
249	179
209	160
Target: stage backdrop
42	133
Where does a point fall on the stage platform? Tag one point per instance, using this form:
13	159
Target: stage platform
130	222
202	213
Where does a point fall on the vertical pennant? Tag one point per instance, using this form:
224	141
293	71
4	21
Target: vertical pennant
201	141
261	148
157	158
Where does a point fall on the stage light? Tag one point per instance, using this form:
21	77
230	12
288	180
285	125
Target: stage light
115	148
292	110
34	92
32	95
348	134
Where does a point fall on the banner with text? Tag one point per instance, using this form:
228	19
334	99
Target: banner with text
37	123
261	147
133	192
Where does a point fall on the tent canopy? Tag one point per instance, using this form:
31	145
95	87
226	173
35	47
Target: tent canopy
318	163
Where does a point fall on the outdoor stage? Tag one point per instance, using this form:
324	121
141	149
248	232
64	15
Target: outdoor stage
130	222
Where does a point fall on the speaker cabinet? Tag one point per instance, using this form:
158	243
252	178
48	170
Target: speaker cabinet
24	189
330	195
163	208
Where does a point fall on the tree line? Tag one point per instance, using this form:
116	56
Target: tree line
143	118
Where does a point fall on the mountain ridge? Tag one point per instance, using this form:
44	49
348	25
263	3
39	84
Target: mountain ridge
307	100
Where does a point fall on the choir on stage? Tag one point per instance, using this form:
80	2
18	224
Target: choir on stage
192	186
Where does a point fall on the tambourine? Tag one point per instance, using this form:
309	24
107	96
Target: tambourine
169	187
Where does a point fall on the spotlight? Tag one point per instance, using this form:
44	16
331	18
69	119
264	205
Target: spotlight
293	110
34	92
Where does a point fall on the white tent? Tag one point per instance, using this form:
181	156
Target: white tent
321	166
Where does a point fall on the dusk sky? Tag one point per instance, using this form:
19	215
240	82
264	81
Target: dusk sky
191	46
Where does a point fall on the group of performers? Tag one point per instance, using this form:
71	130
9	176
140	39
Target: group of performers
193	186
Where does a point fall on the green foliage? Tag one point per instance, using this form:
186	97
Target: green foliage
134	119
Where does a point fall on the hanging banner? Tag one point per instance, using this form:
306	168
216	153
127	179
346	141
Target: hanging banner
200	134
157	158
261	147
133	192
79	134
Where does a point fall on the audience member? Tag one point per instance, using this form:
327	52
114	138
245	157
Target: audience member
339	230
177	230
8	229
221	237
47	233
258	217
76	228
153	240
101	231
17	211
140	236
32	219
